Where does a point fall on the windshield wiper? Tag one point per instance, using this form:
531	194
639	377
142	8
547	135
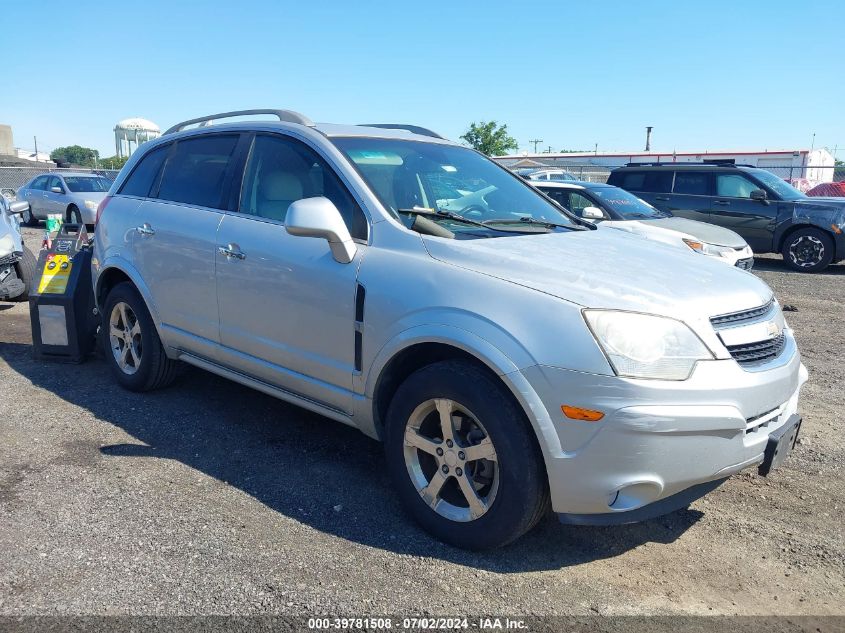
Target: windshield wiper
535	222
440	213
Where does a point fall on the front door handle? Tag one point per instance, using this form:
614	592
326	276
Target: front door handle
145	229
231	251
723	203
663	198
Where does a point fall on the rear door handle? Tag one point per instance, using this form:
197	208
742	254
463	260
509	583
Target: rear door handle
231	251
723	203
663	198
145	229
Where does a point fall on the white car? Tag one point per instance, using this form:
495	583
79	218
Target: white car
612	207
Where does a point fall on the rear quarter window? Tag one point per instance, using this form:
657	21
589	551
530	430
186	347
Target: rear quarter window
647	181
195	170
142	177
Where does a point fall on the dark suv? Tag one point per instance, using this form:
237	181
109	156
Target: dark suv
768	212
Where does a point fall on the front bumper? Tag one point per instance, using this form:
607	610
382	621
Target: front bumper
11	285
661	438
742	258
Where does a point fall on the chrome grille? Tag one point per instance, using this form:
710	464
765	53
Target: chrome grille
732	318
759	352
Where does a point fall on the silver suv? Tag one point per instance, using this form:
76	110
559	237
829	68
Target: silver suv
509	355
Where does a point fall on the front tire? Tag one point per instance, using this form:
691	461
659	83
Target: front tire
463	458
132	346
808	250
26	273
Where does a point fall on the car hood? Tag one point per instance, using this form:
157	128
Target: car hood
702	231
609	269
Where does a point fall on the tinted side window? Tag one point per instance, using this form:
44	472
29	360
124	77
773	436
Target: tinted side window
195	171
144	174
55	182
648	181
695	183
39	183
281	171
561	197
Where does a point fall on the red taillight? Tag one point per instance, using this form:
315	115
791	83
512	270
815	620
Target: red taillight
100	208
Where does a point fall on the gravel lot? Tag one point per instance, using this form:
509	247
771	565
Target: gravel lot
210	498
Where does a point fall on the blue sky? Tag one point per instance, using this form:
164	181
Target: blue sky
707	75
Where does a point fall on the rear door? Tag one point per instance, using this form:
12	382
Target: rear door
34	195
654	186
691	195
734	209
176	236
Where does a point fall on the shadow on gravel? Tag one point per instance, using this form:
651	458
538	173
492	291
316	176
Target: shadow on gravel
303	465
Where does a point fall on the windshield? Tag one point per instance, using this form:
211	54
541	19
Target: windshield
410	176
78	184
778	185
629	206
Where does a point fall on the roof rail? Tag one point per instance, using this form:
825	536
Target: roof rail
713	163
287	116
416	129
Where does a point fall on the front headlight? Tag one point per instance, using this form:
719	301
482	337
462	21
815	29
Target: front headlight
646	346
91	204
708	249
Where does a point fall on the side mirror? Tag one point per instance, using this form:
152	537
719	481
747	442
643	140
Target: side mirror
759	195
318	217
18	208
57	190
592	213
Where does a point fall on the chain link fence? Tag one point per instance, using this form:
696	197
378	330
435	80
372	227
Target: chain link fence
15	177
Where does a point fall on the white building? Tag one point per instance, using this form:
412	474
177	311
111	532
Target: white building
813	166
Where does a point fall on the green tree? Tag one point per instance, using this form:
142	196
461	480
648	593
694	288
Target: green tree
490	138
76	155
113	162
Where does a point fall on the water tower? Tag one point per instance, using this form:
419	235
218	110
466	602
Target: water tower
130	131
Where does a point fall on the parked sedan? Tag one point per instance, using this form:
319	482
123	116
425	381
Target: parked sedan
615	207
73	195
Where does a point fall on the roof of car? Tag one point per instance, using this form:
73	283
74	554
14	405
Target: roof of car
686	166
568	184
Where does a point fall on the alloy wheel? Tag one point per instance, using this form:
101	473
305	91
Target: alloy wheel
806	251
125	338
451	460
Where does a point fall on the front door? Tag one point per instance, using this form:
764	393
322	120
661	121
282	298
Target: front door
176	240
35	196
55	202
287	308
734	209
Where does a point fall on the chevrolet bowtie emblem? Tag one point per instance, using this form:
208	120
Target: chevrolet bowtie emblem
772	328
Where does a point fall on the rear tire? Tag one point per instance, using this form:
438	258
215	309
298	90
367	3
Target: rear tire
73	215
26	273
808	250
131	343
28	219
484	487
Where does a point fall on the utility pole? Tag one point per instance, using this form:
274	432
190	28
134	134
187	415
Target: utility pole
34	138
813	143
536	142
596	151
549	150
648	138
